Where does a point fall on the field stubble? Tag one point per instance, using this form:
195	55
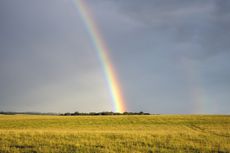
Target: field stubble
105	134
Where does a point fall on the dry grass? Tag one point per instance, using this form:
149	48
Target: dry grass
105	134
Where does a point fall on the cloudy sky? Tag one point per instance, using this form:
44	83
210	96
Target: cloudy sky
171	56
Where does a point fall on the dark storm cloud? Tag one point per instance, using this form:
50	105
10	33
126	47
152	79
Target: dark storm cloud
160	35
162	51
217	38
202	25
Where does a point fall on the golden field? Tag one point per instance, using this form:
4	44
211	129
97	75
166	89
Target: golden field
115	134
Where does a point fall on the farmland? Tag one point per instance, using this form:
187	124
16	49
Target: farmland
122	133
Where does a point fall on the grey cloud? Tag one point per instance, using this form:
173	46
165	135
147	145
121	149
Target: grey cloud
48	62
47	59
217	37
204	25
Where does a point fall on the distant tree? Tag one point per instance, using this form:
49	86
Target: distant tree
67	114
75	113
140	113
93	113
105	113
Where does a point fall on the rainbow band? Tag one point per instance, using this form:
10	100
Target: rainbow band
103	53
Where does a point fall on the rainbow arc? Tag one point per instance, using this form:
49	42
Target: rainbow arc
103	54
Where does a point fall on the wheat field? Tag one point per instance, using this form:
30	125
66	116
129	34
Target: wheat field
115	134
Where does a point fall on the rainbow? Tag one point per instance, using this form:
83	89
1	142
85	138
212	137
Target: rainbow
103	54
195	89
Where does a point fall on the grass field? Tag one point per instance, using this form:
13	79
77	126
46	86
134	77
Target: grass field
105	134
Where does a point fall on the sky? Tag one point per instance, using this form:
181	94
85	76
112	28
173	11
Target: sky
170	56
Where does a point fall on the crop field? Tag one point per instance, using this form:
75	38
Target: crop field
114	134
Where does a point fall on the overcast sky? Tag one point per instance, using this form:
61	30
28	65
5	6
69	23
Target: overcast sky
171	56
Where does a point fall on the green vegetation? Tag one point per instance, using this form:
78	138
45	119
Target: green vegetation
104	113
119	133
75	113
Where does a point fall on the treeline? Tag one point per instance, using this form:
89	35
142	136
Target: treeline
27	113
104	113
75	113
